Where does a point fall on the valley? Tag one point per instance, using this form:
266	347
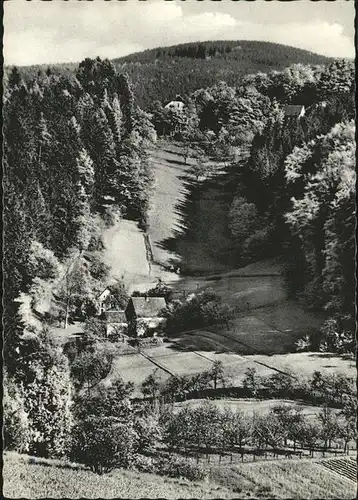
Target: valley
179	286
262	338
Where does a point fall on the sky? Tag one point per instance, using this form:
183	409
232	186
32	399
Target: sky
48	32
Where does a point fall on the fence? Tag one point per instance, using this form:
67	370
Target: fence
256	455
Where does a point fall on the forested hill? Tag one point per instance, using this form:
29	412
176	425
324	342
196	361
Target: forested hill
162	73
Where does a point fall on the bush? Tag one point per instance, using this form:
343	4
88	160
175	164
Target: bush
179	467
143	464
47	402
103	443
148	431
150	342
198	310
15	420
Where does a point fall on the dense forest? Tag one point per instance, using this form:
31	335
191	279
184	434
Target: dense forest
75	157
162	73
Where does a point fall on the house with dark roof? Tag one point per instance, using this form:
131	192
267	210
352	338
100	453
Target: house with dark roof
144	315
295	111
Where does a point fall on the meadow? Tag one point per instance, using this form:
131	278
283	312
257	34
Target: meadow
26	477
201	355
251	406
285	479
51	479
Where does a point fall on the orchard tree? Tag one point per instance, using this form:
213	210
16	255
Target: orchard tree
89	368
217	373
252	381
329	425
151	385
236	428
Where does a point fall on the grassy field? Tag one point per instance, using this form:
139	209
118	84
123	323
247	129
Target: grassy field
25	480
285	479
169	190
299	479
136	367
250	406
208	245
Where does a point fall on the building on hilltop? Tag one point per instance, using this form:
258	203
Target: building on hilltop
143	315
295	111
176	105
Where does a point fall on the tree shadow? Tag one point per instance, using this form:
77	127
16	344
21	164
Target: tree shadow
201	238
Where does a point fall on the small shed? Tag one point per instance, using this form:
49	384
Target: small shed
116	322
295	111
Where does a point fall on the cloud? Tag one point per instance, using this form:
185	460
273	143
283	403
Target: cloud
58	31
317	36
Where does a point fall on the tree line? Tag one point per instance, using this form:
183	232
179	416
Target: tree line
162	73
75	160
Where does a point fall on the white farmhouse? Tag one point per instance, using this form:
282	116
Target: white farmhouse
176	105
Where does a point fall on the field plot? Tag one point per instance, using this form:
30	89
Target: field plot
134	368
127	256
240	291
346	467
125	250
247	335
285	479
266	267
250	406
289	317
208	246
184	363
305	363
273	329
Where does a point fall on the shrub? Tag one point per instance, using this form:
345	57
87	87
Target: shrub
179	467
15	420
103	443
111	401
198	310
148	431
150	342
90	367
47	402
263	491
143	463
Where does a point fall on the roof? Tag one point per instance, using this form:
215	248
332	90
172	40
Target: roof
104	294
174	102
294	109
148	307
115	316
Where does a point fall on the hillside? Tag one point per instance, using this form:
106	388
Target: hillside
163	72
23	477
286	479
